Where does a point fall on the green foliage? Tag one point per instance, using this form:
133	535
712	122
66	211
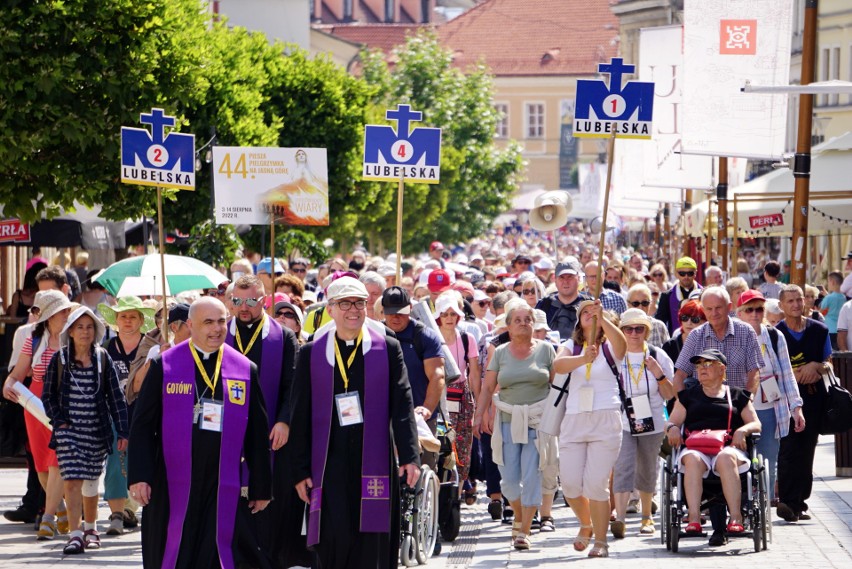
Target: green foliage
289	243
477	178
216	245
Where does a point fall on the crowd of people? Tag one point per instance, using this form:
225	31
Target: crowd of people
236	415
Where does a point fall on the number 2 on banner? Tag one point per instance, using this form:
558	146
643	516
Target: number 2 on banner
402	150
239	167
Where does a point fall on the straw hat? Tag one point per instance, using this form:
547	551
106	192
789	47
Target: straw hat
49	302
124	304
100	329
635	317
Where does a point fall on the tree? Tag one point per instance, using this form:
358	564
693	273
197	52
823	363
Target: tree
477	178
73	74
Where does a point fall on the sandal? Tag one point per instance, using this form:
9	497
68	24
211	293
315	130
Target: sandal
521	542
601	549
516	529
693	528
74	546
735	528
547	524
92	539
581	542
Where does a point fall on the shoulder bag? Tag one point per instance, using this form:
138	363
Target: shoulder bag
837	411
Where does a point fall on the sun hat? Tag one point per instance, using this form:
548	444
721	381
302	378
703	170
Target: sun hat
386	270
500	322
635	317
346	287
540	320
748	296
480	294
291	306
584	305
49	303
276	298
686	263
124	304
100	329
445	303
544	264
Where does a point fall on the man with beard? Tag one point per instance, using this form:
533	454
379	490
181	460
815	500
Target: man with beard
346	424
200	410
277	531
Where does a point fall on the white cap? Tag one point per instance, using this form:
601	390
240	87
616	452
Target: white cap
544	264
449	302
479	294
540	320
346	287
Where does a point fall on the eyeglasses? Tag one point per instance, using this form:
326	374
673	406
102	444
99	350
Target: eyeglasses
750	309
694	319
657	275
346	305
529	291
285	314
644	303
484	303
686	273
250	302
297	270
706	365
633	329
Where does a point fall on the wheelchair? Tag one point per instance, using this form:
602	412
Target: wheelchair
419	519
754	501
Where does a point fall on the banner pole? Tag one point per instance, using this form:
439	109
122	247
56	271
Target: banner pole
400	192
161	241
272	262
610	152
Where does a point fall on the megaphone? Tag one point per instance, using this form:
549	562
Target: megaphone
595	225
550	211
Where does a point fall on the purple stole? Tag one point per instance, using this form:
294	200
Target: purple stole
375	461
178	402
269	370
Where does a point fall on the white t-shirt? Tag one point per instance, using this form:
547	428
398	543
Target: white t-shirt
844	322
601	379
639	381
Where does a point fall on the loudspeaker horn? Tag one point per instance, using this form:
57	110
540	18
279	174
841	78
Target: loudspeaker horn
550	211
595	225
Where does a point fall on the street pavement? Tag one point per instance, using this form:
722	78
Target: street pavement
824	541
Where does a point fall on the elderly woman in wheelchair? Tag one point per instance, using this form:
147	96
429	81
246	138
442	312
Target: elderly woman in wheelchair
717	420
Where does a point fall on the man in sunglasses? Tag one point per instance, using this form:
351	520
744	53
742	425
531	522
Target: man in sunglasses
670	301
272	348
342	446
299	268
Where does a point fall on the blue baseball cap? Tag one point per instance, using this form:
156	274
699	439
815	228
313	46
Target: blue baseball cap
265	265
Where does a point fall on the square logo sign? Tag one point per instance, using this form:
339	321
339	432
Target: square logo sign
738	37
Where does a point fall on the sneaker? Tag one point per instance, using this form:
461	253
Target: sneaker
116	523
647	527
129	518
46	530
618	529
20	515
804	516
633	506
62	525
495	508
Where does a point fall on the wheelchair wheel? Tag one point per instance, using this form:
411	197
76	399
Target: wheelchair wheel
426	516
452	523
665	504
767	509
408	551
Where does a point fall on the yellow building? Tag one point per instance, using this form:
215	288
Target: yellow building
833	113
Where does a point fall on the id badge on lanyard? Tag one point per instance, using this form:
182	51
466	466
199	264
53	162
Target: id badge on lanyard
348	409
211	415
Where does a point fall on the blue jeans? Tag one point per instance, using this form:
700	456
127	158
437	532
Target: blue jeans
521	476
768	445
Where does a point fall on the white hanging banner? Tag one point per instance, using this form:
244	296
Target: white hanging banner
726	44
664	165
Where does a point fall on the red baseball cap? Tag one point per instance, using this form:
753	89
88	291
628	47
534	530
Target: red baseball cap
439	281
436	245
748	296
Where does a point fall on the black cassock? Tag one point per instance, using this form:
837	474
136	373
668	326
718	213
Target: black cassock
342	545
145	464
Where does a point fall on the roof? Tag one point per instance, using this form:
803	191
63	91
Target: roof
531	37
375	36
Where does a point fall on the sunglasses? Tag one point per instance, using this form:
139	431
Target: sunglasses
35	310
635	303
706	365
484	303
694	319
686	273
285	314
298	270
751	309
529	291
250	302
523	262
346	305
657	275
633	329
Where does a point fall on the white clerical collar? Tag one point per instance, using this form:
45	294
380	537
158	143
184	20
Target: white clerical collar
205	354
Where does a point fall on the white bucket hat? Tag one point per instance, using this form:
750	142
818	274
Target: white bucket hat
100	329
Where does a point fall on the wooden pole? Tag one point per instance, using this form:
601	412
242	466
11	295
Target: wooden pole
610	152
667	234
708	242
722	212
399	196
802	160
735	243
162	243
272	263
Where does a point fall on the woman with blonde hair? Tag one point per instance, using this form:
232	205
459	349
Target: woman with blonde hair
660	277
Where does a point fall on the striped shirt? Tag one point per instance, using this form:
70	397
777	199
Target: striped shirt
40	367
739	345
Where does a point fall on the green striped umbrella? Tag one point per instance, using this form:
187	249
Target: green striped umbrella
182	273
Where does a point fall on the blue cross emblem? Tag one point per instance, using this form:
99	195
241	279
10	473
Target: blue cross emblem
237	391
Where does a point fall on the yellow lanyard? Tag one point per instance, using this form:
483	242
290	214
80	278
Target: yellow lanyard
763	349
349	360
253	338
638	377
588	365
200	366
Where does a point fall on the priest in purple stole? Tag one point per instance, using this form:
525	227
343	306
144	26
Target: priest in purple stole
351	407
200	410
274	537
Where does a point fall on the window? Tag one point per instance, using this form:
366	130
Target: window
534	120
502	128
829	68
